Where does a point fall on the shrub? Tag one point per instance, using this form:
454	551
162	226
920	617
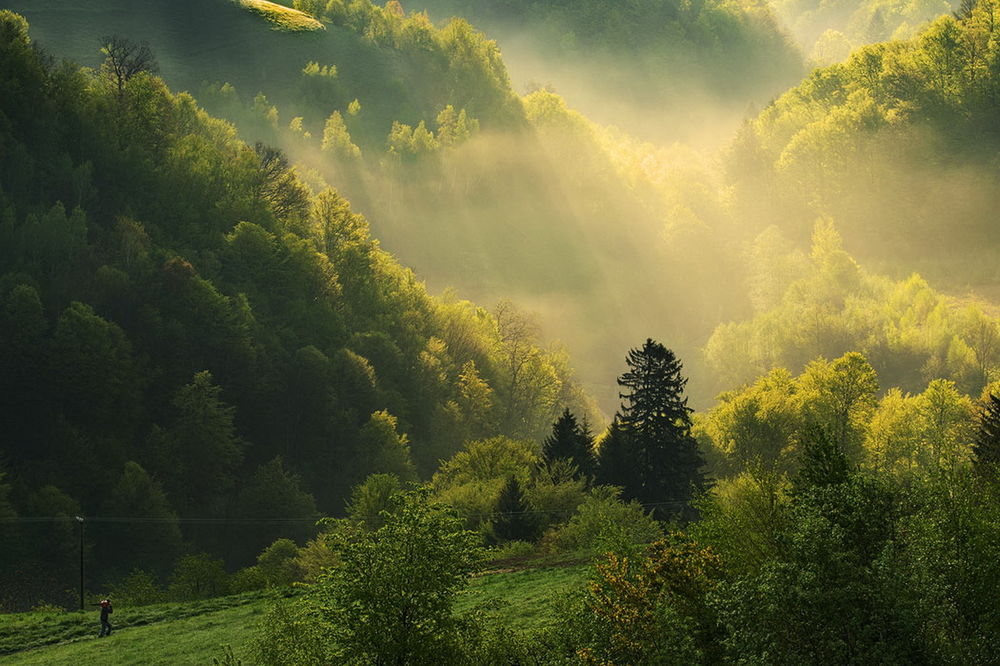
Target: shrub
139	588
603	517
278	564
198	576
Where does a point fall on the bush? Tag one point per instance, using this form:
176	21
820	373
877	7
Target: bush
315	558
512	549
278	564
603	518
198	577
247	579
290	633
139	588
391	599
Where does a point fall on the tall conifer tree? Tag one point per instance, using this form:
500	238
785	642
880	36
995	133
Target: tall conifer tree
986	448
570	441
615	466
655	415
513	522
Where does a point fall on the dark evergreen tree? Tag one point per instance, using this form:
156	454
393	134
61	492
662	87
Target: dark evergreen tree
148	537
513	522
274	494
570	441
199	455
655	414
986	448
615	466
965	9
824	462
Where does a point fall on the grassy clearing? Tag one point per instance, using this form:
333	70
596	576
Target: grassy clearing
530	597
22	631
189	640
282	17
190	633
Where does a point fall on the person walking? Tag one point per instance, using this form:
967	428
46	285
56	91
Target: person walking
106	610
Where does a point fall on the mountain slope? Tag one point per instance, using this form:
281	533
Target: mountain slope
187	332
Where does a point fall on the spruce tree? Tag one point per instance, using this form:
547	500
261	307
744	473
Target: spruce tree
824	462
512	522
986	448
655	414
570	441
615	460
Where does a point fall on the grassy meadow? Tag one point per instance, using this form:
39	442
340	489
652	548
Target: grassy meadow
282	17
193	632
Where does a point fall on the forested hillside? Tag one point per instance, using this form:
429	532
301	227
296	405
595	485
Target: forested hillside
215	380
828	31
646	66
417	125
897	145
188	330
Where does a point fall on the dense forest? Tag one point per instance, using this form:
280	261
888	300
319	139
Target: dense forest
188	329
236	382
715	56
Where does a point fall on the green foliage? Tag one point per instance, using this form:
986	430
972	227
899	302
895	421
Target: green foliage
708	45
885	116
155	541
827	307
139	588
901	434
289	634
744	518
454	127
986	449
601	519
274	494
198	577
391	598
513	520
370	498
756	425
199	453
570	441
190	307
337	140
824	462
666	467
472	479
383	450
278	564
555	493
650	608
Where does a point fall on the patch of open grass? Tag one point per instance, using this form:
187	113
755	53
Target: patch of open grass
530	597
282	17
189	640
22	631
528	589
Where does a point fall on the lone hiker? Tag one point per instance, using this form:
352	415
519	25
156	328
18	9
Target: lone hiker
106	610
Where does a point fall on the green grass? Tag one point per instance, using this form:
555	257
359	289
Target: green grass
189	640
193	633
31	630
529	597
282	17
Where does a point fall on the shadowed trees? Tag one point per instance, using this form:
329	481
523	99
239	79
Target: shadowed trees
650	450
125	59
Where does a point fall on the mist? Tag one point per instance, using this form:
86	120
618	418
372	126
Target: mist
610	201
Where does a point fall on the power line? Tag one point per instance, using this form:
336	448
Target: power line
282	520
